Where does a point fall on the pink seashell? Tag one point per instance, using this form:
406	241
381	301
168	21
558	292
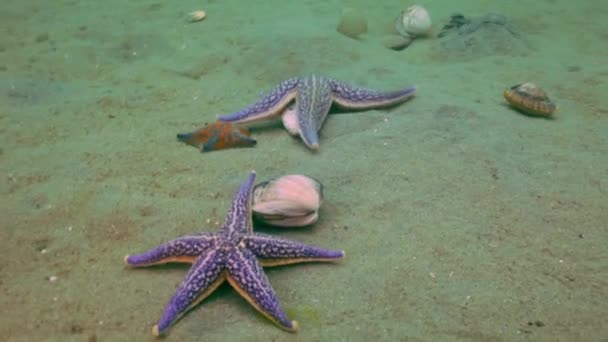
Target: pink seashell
288	201
290	120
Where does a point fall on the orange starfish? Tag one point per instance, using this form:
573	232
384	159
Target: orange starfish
218	136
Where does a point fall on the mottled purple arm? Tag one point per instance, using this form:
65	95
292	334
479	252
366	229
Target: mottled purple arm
268	106
247	277
313	101
183	249
361	98
274	252
204	276
238	218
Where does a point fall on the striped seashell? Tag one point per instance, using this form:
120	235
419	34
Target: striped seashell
530	99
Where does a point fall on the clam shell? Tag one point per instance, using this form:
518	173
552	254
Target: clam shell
290	120
414	21
530	99
288	201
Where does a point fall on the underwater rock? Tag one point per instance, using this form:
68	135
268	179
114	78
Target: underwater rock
352	23
396	41
491	34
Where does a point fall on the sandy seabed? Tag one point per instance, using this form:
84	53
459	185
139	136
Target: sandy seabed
462	219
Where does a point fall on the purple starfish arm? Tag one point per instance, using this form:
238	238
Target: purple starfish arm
246	276
204	277
268	106
183	249
361	98
238	218
275	252
313	100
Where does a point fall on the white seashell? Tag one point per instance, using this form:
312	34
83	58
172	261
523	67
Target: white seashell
414	21
288	201
290	120
196	16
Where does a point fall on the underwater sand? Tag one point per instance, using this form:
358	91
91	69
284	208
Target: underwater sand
462	219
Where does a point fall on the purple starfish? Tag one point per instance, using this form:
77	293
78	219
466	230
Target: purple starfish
235	254
313	97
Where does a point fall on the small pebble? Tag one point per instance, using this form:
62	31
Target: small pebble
396	41
196	16
352	24
43	37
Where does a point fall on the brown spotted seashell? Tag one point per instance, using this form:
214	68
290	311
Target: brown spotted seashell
530	99
288	201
